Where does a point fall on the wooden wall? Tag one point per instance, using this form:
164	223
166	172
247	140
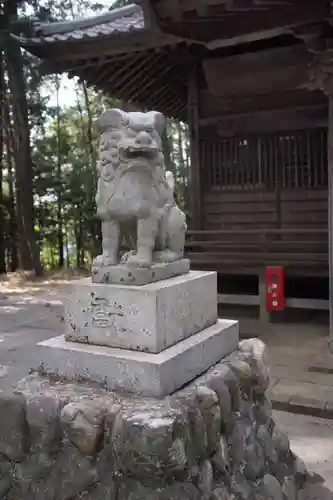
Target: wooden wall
264	201
296	209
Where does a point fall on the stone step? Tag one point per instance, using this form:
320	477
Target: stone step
142	373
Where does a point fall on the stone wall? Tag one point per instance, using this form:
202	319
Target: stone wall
213	440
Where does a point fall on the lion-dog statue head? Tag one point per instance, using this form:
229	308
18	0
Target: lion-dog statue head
130	147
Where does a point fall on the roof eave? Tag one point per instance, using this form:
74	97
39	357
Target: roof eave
62	27
40	41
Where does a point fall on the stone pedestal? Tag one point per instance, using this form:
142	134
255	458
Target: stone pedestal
146	318
149	340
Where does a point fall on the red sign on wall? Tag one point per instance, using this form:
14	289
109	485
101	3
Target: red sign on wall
275	299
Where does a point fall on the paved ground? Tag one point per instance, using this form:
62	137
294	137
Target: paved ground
312	440
302	368
301	365
27	316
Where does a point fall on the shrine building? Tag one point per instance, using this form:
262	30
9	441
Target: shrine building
253	81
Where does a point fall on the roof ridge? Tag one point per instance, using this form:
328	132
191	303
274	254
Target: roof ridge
59	27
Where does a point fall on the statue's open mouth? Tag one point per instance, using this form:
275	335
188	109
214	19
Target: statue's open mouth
132	153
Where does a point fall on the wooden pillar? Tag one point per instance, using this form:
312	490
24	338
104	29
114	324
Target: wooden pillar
264	315
195	192
321	78
330	212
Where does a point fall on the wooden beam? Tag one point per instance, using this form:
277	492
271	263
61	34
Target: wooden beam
274	123
242	6
236	299
218	43
268	3
315	304
213	108
283	68
166	8
150	16
319	109
291	302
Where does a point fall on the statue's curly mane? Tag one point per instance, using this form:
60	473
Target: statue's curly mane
112	167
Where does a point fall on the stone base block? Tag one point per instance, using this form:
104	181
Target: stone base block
137	372
214	439
149	318
125	275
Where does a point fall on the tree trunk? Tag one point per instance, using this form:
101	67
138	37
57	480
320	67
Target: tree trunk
2	220
61	261
2	215
95	225
9	140
28	248
67	248
79	239
89	129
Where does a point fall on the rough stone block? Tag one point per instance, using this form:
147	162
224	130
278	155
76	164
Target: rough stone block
157	433
148	318
139	276
127	447
14	434
142	373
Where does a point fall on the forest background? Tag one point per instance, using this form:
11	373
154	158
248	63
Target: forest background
48	149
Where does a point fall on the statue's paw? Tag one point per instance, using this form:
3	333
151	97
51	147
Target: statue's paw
126	256
165	256
138	261
104	261
110	261
97	261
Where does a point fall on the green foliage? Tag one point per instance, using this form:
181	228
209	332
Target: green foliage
64	146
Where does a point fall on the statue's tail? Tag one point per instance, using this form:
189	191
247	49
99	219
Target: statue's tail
170	180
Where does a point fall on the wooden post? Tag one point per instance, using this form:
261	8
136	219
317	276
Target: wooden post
195	193
330	212
264	315
321	78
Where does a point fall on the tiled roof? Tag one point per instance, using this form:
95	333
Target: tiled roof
117	21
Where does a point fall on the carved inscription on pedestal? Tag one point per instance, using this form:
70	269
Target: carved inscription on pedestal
104	314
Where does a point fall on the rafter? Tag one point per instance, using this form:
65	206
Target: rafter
142	72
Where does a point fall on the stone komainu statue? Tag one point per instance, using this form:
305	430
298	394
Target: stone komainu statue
135	194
